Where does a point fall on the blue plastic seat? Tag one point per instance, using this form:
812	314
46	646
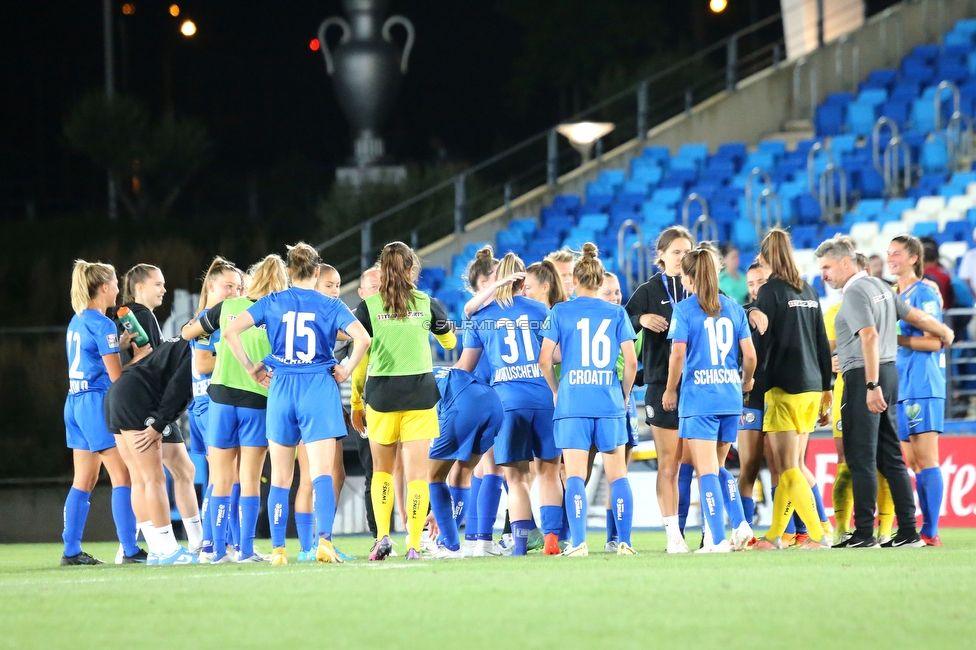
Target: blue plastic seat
694	150
905	91
775	147
917	70
927	52
526	225
829	120
957	230
506	239
806	209
897	110
873	96
839	99
734	150
925	228
744	234
567	202
612	177
869	209
861	118
659	153
884	77
558	224
595	222
935	156
667	196
923	115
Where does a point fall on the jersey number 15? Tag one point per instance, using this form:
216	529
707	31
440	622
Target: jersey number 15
295	326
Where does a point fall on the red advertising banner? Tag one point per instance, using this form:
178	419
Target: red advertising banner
957	455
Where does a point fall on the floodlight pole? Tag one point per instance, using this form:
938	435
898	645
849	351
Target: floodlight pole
113	204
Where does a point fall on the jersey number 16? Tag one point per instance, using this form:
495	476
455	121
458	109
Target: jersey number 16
596	349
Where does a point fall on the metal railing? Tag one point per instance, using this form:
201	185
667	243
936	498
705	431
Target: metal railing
960	370
704	228
540	160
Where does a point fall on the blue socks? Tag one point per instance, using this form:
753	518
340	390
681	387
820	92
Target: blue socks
552	519
488	497
249	520
748	509
622	500
234	521
713	506
205	518
220	511
440	503
305	524
733	505
520	533
471	524
324	506
611	526
277	515
799	527
930	492
75	515
685	474
460	498
820	507
125	519
564	527
576	509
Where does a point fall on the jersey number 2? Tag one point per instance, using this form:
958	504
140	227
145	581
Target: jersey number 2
720	339
73	372
295	326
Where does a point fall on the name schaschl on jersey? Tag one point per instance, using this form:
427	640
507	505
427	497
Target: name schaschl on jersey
710	384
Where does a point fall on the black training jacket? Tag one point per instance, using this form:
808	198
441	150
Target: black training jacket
794	352
652	298
165	373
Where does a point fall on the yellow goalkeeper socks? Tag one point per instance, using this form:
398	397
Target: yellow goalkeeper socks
782	511
843	496
802	497
418	502
886	507
381	494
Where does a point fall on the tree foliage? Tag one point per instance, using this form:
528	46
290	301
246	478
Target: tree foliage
151	162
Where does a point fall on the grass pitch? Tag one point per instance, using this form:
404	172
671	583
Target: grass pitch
838	598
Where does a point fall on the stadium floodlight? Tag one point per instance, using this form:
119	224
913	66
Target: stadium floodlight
188	28
583	135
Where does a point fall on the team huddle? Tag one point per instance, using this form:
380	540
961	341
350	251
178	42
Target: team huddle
544	382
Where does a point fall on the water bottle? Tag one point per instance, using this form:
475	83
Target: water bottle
132	326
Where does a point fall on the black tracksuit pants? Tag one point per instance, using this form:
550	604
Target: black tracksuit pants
870	444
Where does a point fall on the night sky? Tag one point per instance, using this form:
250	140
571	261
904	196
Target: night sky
251	77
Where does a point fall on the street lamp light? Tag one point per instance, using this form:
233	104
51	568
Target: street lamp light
188	28
583	135
718	6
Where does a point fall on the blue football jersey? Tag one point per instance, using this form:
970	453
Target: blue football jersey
511	338
483	369
201	380
91	335
711	383
450	383
302	326
589	332
920	374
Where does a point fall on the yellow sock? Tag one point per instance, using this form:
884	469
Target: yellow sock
802	497
418	502
843	496
886	507
782	511
381	494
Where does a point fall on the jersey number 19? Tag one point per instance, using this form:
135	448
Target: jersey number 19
295	325
720	339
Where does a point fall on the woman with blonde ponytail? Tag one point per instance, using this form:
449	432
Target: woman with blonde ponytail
92	346
591	401
707	332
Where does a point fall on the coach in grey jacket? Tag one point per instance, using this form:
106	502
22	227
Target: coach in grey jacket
867	331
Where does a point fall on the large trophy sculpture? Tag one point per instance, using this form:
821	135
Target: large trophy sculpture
367	69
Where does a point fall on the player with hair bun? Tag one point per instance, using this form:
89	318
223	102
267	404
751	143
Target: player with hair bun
707	332
303	395
590	400
92	347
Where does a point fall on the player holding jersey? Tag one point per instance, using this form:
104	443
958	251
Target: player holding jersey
921	384
707	332
93	364
591	402
303	395
508	331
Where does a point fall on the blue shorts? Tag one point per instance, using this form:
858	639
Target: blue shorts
752	420
606	434
197	414
84	422
304	407
229	427
633	432
920	416
526	433
469	426
720	428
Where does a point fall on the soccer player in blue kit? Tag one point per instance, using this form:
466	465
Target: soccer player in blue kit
707	332
469	414
921	384
303	391
509	332
591	402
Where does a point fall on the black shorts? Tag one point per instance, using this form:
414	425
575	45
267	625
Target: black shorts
127	407
654	413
